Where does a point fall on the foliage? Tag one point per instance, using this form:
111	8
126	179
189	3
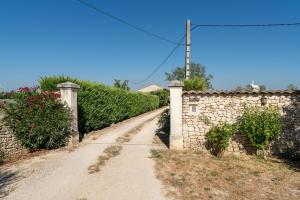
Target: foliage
218	137
292	87
122	85
163	95
261	126
2	95
197	83
100	106
164	121
249	88
38	120
196	70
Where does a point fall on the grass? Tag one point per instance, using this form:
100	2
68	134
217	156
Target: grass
113	150
190	175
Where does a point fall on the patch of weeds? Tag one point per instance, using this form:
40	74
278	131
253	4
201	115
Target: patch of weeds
113	150
229	179
255	173
278	179
156	154
214	173
109	152
206	189
179	182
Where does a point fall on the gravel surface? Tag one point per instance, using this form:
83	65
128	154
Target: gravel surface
64	175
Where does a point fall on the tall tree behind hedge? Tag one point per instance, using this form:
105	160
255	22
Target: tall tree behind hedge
196	70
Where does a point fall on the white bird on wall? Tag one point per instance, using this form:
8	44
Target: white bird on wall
255	88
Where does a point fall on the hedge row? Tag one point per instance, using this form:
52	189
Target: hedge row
100	106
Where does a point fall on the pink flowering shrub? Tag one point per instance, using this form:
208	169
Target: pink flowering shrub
38	120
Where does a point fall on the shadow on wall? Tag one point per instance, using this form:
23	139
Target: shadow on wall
288	143
7	182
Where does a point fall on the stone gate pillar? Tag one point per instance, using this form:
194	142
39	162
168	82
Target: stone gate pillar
176	137
68	92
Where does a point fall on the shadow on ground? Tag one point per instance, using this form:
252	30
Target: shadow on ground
7	182
163	137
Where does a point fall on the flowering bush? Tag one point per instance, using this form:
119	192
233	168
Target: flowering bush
38	120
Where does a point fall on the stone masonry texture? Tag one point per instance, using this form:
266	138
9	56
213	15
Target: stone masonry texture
9	146
202	111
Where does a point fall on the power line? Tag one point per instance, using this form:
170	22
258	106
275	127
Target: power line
164	60
161	64
246	25
127	23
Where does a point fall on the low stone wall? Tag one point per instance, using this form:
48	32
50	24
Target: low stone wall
9	146
203	110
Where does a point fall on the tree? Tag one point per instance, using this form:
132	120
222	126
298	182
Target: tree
122	85
263	88
197	83
292	87
249	88
196	70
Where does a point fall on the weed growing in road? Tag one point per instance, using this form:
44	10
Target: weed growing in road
114	150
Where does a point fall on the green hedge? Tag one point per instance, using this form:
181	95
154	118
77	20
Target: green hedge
163	95
100	106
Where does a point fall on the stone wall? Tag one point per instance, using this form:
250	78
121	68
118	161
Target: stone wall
9	146
203	110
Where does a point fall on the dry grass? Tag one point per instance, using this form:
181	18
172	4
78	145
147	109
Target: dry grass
109	152
114	150
190	175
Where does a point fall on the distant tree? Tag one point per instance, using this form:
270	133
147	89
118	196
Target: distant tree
263	88
292	87
249	88
197	83
196	70
239	89
122	85
117	83
125	85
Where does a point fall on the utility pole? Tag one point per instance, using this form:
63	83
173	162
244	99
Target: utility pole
188	49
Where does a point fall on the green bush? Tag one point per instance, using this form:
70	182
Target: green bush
261	126
197	83
218	137
163	95
38	120
100	106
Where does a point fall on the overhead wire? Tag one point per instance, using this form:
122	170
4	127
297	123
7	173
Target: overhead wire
126	22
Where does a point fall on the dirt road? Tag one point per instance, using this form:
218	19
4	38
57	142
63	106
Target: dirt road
65	175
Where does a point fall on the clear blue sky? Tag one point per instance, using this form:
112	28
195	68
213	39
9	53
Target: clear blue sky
55	37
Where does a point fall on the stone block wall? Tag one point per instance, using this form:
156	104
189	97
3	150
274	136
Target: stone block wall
203	110
9	146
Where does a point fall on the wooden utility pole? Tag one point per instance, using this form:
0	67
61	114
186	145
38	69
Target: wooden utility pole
188	49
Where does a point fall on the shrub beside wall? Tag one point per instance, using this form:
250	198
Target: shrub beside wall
38	120
100	105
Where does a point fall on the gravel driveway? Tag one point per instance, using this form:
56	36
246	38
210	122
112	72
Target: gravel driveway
64	175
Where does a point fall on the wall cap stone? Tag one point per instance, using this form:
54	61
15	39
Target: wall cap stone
68	85
228	92
175	83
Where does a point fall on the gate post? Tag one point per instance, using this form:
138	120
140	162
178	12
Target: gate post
176	137
68	92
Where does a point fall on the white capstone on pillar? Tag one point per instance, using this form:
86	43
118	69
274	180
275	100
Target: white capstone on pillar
176	137
68	92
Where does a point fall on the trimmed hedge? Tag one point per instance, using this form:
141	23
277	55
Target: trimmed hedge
163	95
100	106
